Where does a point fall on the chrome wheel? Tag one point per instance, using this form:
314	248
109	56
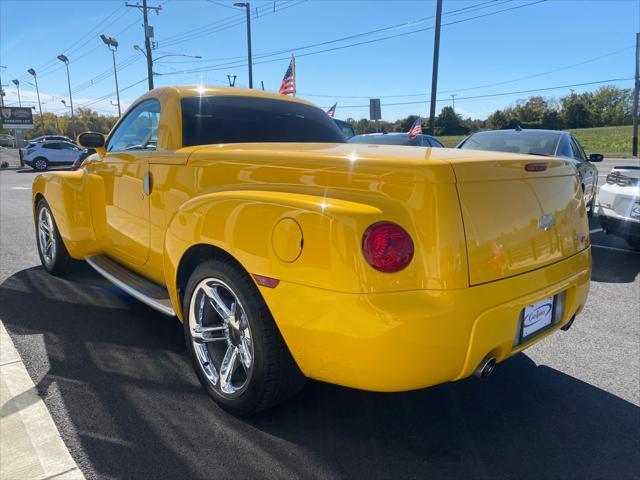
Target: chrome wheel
221	337
47	236
41	164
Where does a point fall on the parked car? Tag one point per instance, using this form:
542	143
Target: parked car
41	155
546	143
395	138
84	154
7	140
619	204
345	127
46	138
288	253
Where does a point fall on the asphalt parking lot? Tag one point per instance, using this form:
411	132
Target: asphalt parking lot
115	377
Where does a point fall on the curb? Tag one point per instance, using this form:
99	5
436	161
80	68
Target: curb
30	444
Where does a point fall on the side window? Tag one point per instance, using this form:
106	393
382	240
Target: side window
138	130
51	146
577	152
67	146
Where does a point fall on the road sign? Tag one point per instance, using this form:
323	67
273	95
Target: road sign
16	117
374	109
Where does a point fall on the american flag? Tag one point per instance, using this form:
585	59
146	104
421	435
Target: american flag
332	111
416	128
288	86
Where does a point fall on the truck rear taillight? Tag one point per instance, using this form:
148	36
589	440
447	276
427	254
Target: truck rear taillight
387	247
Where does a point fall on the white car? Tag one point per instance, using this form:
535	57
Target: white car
41	155
619	204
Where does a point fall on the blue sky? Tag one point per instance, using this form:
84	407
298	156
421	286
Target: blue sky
509	47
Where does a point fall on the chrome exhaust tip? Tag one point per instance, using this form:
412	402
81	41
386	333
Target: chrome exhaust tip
486	368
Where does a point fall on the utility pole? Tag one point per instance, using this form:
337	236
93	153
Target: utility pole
634	142
434	74
453	101
148	34
247	6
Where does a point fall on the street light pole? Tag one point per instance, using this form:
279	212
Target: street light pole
434	74
247	6
35	77
65	60
636	80
112	44
1	89
17	84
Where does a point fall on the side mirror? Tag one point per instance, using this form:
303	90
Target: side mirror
596	157
91	140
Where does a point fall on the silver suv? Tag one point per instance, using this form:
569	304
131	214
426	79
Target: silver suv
41	155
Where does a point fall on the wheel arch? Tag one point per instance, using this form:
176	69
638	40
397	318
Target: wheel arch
190	259
68	195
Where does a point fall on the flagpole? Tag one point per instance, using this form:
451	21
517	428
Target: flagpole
293	59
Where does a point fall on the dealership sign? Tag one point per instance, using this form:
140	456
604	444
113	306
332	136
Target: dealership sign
16	117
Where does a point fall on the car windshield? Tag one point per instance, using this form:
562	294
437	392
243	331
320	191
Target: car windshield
384	140
234	119
530	142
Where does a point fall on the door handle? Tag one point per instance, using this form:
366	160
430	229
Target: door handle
147	184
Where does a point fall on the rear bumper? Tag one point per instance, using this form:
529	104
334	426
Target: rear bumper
414	339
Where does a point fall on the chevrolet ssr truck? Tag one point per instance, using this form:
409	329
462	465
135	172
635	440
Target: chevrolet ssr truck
288	253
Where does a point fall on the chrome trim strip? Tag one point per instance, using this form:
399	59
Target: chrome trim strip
163	306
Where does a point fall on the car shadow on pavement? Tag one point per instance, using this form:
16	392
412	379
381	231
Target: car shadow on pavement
614	266
115	376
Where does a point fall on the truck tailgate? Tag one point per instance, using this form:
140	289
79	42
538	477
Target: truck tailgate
517	220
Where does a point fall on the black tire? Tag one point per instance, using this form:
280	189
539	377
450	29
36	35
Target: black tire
55	260
40	164
273	376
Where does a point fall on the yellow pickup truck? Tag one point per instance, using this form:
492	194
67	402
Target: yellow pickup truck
288	253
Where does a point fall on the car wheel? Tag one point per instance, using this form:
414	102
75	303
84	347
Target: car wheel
40	164
53	254
238	353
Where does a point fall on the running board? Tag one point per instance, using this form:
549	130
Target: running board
135	285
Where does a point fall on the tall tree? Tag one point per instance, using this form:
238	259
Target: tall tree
450	123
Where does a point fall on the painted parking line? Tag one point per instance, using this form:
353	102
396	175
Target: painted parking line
616	249
595	230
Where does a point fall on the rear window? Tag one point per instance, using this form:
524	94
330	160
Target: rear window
231	119
527	141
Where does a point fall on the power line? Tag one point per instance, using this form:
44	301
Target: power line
46	68
220	4
477	87
480	6
224	24
501	94
341	47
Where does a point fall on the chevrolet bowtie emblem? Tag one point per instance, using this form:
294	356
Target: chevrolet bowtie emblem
546	222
